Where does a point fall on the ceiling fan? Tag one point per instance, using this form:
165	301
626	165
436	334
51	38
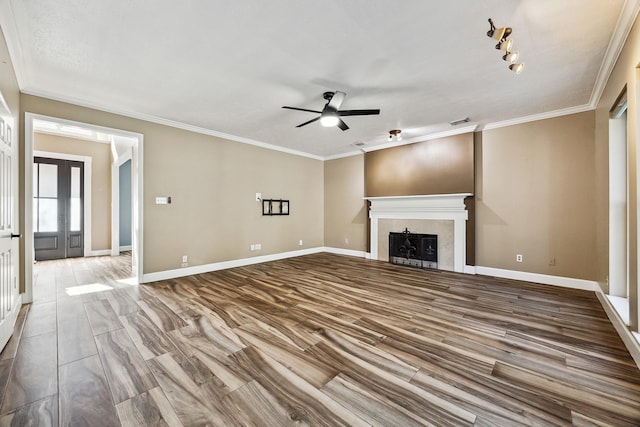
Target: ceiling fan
331	113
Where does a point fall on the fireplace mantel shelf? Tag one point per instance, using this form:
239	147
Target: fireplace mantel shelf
427	207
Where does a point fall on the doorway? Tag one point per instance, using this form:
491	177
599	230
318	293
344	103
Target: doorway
58	208
82	130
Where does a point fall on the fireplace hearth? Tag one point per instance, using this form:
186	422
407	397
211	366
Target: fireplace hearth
413	249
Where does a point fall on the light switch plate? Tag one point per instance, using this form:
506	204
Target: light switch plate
162	200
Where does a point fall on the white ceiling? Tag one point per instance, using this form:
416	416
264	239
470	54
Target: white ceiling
227	68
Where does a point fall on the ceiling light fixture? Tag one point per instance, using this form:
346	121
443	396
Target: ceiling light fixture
395	134
329	119
516	68
504	43
498	33
511	57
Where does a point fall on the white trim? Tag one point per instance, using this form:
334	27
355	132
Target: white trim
449	207
115	207
629	338
170	123
87	160
623	27
348	252
470	269
102	252
343	155
11	317
565	282
536	117
126	248
457	131
138	177
223	265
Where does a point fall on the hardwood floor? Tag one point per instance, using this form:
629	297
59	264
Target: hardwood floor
316	340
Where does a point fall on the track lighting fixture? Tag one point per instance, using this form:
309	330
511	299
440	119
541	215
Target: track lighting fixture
511	57
498	33
516	68
395	134
504	43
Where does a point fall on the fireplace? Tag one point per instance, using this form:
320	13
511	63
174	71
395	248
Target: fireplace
441	214
413	249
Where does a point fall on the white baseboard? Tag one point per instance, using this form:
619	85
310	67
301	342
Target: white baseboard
104	252
470	269
629	339
348	252
125	248
565	282
206	268
11	317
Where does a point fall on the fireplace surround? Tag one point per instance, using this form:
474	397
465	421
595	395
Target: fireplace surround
449	208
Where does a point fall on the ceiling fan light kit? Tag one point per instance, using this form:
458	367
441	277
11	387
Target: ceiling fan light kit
331	114
505	44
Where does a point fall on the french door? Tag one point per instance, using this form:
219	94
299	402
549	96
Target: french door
58	211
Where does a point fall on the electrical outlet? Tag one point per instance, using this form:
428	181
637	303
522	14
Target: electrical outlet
346	240
185	258
258	246
518	258
252	247
300	243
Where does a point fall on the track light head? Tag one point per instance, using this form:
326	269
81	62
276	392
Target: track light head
498	33
517	68
511	57
505	44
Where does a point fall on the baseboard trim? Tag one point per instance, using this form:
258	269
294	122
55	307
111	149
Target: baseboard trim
628	338
104	252
565	282
207	268
348	252
470	269
125	248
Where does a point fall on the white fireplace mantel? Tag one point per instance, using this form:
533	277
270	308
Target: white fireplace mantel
430	207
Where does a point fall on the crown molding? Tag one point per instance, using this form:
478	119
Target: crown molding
170	123
536	117
428	137
623	27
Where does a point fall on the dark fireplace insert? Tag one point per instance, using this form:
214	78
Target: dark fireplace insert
413	249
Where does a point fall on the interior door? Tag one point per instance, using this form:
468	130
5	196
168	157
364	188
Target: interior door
9	297
58	188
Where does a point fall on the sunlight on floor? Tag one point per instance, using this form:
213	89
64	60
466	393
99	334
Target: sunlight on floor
131	281
87	289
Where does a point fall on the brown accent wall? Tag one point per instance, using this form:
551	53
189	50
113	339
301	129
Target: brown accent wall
535	196
100	180
213	216
345	209
438	166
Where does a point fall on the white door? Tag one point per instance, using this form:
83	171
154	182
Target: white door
9	299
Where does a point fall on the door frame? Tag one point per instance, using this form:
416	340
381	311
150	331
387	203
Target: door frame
137	180
86	193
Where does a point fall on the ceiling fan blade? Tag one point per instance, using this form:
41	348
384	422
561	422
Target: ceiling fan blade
358	112
336	100
302	109
310	121
342	125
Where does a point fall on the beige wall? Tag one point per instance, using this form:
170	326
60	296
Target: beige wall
213	216
100	180
345	210
624	73
535	196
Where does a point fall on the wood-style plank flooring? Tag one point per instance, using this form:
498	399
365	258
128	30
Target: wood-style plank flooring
316	340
